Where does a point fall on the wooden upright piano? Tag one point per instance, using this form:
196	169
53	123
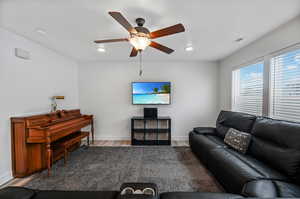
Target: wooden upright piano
33	138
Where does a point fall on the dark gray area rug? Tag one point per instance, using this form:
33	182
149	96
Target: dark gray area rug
106	168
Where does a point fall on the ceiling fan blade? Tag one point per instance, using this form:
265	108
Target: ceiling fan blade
167	31
134	52
161	47
110	40
123	21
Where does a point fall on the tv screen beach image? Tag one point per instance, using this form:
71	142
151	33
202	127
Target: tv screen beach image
151	92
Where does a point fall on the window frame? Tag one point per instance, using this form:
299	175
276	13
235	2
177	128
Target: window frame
261	59
270	90
267	91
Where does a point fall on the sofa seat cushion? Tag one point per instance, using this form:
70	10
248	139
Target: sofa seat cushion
16	193
202	144
218	140
198	195
76	194
230	170
264	169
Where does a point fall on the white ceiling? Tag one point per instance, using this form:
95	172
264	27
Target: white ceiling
211	25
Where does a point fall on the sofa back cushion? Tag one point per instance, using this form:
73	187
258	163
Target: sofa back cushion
240	121
277	143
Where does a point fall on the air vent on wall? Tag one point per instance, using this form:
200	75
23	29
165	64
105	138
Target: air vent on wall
23	54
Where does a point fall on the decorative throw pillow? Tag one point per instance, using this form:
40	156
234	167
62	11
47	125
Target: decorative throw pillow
238	140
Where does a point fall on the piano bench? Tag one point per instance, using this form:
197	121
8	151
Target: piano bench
71	141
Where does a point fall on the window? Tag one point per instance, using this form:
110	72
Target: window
270	87
285	86
247	84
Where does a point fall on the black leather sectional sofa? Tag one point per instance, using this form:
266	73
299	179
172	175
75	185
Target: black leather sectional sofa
24	193
271	166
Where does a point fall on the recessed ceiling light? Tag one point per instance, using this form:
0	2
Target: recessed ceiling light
189	48
101	49
41	31
239	39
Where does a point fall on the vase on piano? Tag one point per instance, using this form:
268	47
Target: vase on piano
54	103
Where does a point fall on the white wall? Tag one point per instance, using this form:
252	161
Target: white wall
27	85
282	37
105	91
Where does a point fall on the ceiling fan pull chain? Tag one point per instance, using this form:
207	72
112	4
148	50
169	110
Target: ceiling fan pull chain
141	69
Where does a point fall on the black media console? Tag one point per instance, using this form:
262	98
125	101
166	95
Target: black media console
151	131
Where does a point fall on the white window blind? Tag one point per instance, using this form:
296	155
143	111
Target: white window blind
247	92
285	86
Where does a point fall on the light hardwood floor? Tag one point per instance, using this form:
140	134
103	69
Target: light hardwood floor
127	143
18	181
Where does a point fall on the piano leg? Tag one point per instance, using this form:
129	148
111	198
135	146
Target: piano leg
49	154
92	130
65	156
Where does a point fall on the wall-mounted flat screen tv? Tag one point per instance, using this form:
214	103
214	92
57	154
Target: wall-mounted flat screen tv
151	93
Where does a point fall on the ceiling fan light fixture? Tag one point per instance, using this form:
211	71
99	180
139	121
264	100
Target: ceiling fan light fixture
140	37
139	42
101	49
189	48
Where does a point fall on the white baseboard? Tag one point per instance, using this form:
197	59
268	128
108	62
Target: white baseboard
180	138
5	177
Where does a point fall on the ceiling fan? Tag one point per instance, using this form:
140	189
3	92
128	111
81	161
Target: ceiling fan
140	37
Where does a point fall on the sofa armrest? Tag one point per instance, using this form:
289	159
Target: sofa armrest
260	189
205	130
16	193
